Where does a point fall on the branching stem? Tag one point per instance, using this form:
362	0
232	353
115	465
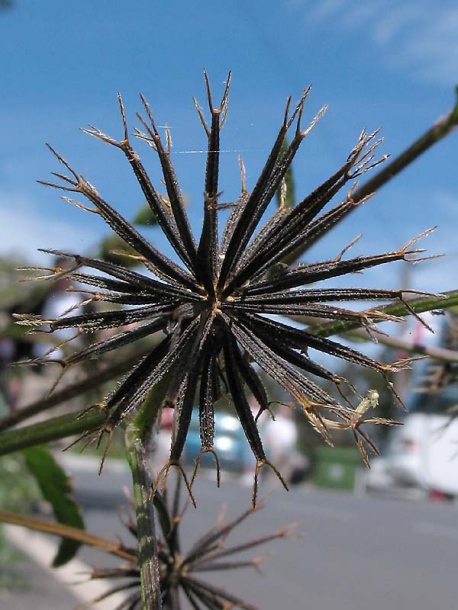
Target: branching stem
389	170
138	435
420	305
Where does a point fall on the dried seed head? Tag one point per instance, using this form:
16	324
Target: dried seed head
210	318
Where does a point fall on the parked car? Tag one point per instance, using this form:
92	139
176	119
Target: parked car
378	480
423	453
230	444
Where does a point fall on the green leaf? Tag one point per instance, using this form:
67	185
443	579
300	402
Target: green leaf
145	216
56	489
110	250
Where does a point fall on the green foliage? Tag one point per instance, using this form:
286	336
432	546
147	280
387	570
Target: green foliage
145	216
113	246
56	489
8	556
20	497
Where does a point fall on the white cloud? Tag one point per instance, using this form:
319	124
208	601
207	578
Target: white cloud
420	36
24	229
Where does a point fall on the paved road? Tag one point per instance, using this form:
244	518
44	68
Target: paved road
355	553
35	589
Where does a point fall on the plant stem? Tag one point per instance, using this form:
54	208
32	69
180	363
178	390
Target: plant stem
75	423
66	531
444	301
138	435
389	170
50	430
436	353
72	390
146	530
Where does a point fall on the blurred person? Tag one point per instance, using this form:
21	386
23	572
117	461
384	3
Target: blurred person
58	302
9	384
280	441
162	440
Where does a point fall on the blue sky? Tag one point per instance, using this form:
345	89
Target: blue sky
377	64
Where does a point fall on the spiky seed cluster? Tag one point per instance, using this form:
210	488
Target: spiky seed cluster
216	307
181	572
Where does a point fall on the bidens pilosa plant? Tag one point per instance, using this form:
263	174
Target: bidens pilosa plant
182	573
222	316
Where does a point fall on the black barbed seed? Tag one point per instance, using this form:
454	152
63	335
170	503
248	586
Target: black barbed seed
237	304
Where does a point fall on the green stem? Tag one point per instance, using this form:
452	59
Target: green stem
389	170
138	435
444	301
72	390
50	430
66	531
436	353
76	423
146	529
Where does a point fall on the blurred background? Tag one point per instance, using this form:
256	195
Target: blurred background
377	64
381	64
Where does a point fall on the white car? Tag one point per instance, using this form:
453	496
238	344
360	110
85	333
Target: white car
423	452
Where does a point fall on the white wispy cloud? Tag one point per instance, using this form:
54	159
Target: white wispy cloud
24	229
420	36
